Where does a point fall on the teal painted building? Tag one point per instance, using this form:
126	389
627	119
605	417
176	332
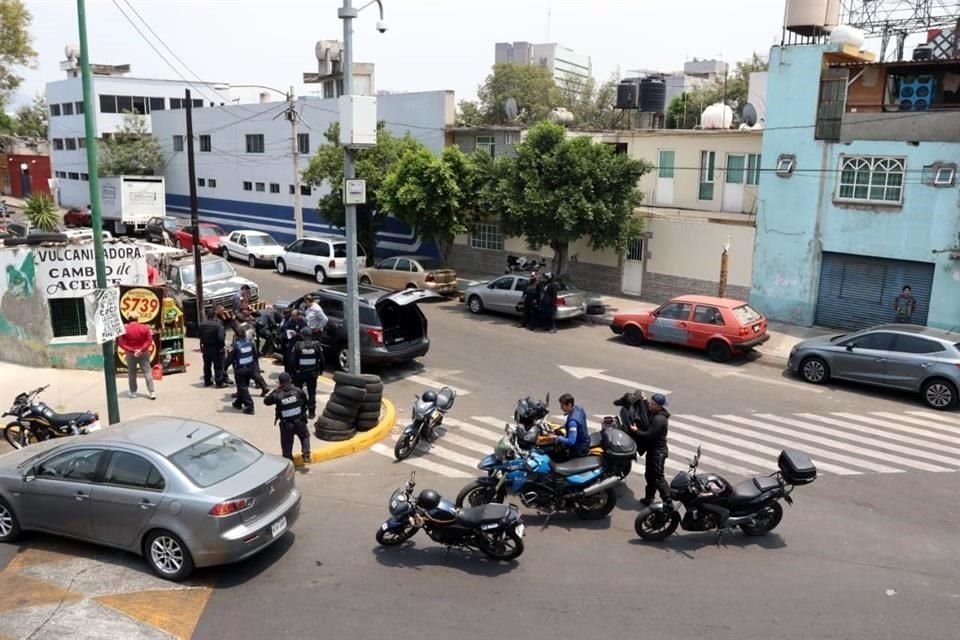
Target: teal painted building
859	195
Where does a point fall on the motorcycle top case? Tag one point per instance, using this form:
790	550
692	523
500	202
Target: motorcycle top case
796	467
617	445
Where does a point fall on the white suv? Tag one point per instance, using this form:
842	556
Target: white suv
322	257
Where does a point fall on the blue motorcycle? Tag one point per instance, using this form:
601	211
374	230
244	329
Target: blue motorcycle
582	485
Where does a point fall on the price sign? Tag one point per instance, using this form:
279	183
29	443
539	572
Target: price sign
142	301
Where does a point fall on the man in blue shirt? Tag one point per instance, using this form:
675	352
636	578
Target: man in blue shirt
575	437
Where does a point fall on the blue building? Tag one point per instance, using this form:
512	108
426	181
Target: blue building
861	196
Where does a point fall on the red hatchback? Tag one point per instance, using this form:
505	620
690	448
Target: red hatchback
721	326
210	235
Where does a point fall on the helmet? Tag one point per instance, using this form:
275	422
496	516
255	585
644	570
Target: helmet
429	396
306	332
428	499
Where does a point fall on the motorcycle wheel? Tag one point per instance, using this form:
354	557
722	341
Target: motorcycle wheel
654	526
19	436
477	494
506	546
766	520
391	538
406	444
597	506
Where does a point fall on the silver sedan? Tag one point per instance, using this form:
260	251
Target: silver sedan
181	493
505	294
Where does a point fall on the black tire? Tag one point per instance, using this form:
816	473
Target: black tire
320	275
719	351
768	519
367	416
654	526
406	445
350	379
341	358
478	493
251	261
374	388
167	555
506	547
370	407
365	280
334	436
363	426
939	394
597	506
391	539
281	266
633	336
9	524
226	254
475	304
350	393
334	424
815	370
337	409
19	436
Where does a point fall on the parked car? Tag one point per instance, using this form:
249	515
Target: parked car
220	285
255	247
162	230
181	493
210	235
721	326
77	218
898	356
323	257
411	272
392	326
505	294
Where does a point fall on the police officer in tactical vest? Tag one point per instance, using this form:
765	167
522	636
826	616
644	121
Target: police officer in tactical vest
245	366
212	341
291	414
308	363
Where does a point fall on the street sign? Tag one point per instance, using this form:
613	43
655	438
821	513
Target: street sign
355	192
103	305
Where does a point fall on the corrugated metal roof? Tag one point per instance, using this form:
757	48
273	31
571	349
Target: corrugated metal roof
903	64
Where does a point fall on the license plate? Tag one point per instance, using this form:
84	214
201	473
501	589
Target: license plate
278	527
94	426
520	529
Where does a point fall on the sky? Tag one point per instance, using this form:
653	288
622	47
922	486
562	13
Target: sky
429	44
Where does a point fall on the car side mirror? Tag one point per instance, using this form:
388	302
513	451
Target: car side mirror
29	476
851	346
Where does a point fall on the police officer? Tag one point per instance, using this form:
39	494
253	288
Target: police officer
245	328
653	438
308	363
245	366
529	301
212	342
548	302
291	409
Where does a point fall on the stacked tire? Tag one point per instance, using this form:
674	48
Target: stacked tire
353	406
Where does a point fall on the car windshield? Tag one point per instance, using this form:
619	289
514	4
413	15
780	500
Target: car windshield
170	224
211	231
261	241
746	314
340	250
213	270
216	458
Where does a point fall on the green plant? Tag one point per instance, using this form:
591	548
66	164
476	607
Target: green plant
42	212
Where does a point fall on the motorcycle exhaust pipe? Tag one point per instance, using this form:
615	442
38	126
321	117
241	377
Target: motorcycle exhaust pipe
734	521
603	485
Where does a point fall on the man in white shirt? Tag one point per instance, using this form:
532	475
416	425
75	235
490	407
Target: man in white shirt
315	317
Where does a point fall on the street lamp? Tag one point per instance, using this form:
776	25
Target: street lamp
347	13
292	116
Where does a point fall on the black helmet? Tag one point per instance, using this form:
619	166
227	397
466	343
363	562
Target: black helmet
429	396
428	499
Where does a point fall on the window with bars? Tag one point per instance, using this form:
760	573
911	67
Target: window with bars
178	143
303	143
205	144
66	108
274	187
70	144
485	235
254	143
833	102
68	317
871	179
54	110
635	250
708	167
79	107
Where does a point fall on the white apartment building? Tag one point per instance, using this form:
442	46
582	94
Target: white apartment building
564	64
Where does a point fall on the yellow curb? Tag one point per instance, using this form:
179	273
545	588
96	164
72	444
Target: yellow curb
357	443
326	380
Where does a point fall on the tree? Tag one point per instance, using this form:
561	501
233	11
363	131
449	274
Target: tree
468	114
31	121
531	86
560	189
15	49
42	212
592	105
131	150
372	165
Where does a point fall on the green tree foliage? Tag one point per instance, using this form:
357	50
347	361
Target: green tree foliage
531	86
559	189
42	212
131	150
685	110
31	121
372	165
15	49
468	114
591	104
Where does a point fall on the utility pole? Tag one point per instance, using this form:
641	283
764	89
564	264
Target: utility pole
352	315
297	200
96	221
194	213
724	268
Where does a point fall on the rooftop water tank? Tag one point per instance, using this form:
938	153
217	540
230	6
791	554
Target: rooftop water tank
845	34
811	17
560	116
717	116
653	95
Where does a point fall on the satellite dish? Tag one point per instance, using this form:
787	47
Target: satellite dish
71	52
749	115
510	108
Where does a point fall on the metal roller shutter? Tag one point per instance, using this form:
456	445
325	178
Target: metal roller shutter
858	291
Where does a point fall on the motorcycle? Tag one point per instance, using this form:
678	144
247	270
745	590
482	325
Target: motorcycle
36	422
517	264
582	485
710	502
493	529
427	414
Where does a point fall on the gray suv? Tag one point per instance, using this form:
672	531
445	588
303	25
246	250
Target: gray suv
898	356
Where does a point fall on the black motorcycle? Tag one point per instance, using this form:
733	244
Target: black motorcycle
36	421
516	264
428	411
494	529
711	502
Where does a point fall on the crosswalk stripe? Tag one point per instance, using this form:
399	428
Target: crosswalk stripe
846	424
900	427
710	463
816	451
426	465
878	443
433	384
803	438
929	424
465	443
941	417
711	448
496	423
486	434
447	454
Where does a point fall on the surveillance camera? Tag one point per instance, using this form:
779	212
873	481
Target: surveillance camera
381	26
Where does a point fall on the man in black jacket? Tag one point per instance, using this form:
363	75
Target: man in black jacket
529	300
291	409
653	438
212	342
548	302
